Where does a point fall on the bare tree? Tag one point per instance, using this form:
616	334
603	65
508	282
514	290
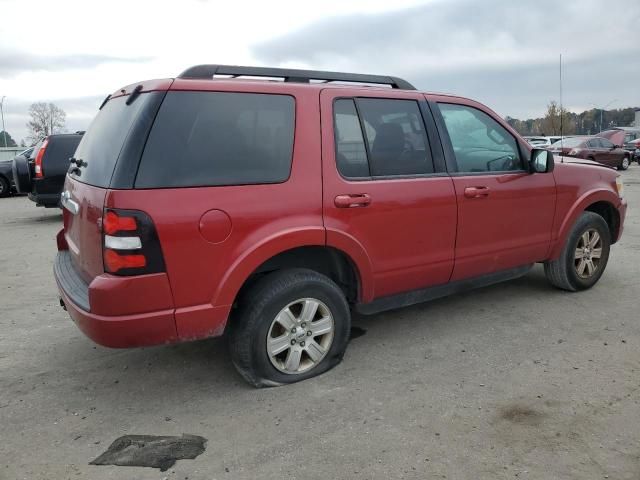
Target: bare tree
46	118
552	124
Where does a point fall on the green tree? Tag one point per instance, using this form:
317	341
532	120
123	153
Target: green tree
6	140
557	121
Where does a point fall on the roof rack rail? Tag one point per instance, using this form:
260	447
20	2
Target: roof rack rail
292	75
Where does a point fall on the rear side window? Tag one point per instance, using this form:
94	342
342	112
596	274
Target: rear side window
100	146
219	138
380	138
351	154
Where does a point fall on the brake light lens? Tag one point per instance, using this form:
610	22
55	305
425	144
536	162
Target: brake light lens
39	156
130	243
112	223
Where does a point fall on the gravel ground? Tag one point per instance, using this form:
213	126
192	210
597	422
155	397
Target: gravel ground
515	380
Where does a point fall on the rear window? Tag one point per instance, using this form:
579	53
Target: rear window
58	152
219	138
101	144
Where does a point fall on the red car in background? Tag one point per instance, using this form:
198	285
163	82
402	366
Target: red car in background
597	149
628	137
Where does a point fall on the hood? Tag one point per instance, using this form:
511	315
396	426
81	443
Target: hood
579	161
614	136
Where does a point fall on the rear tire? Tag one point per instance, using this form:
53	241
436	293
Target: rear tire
584	256
5	187
290	325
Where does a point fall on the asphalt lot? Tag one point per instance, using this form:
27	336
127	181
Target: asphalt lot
512	381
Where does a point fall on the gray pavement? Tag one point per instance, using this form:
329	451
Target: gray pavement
516	380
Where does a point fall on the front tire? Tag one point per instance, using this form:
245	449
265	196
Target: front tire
290	325
624	164
584	256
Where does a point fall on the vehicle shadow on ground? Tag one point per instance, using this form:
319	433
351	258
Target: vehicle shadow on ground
204	367
54	217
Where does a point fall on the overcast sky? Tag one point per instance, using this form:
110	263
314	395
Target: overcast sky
501	52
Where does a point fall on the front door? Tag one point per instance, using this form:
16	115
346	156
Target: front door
383	195
505	213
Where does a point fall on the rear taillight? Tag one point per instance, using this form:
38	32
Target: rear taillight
130	243
38	162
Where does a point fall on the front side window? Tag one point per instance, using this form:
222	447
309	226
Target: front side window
480	143
605	143
380	138
219	138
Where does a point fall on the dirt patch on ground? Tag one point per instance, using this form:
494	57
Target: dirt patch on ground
522	414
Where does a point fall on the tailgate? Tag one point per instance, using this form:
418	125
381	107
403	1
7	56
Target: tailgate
83	205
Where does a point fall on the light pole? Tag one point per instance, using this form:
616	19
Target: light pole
4	132
602	109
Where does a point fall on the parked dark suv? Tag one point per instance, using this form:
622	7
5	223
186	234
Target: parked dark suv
269	210
42	174
7	185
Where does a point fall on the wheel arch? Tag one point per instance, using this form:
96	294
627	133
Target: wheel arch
296	249
603	202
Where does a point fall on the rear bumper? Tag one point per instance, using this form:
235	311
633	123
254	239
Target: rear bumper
47	200
149	327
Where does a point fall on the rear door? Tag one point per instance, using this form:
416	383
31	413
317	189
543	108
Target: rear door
505	213
385	187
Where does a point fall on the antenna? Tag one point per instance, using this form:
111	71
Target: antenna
561	110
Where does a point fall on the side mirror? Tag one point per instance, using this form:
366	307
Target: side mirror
541	161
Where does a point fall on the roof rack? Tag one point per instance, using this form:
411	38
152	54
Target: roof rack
292	75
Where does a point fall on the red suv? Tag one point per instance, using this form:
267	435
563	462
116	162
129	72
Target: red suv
268	210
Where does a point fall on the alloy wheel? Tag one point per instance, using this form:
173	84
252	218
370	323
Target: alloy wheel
625	163
300	336
588	253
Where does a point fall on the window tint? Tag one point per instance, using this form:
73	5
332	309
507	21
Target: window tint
59	150
101	144
395	136
215	138
479	142
594	143
351	155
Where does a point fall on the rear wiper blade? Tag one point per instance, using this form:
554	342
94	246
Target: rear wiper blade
134	94
106	99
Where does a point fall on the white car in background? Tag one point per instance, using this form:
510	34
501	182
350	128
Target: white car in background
542	142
